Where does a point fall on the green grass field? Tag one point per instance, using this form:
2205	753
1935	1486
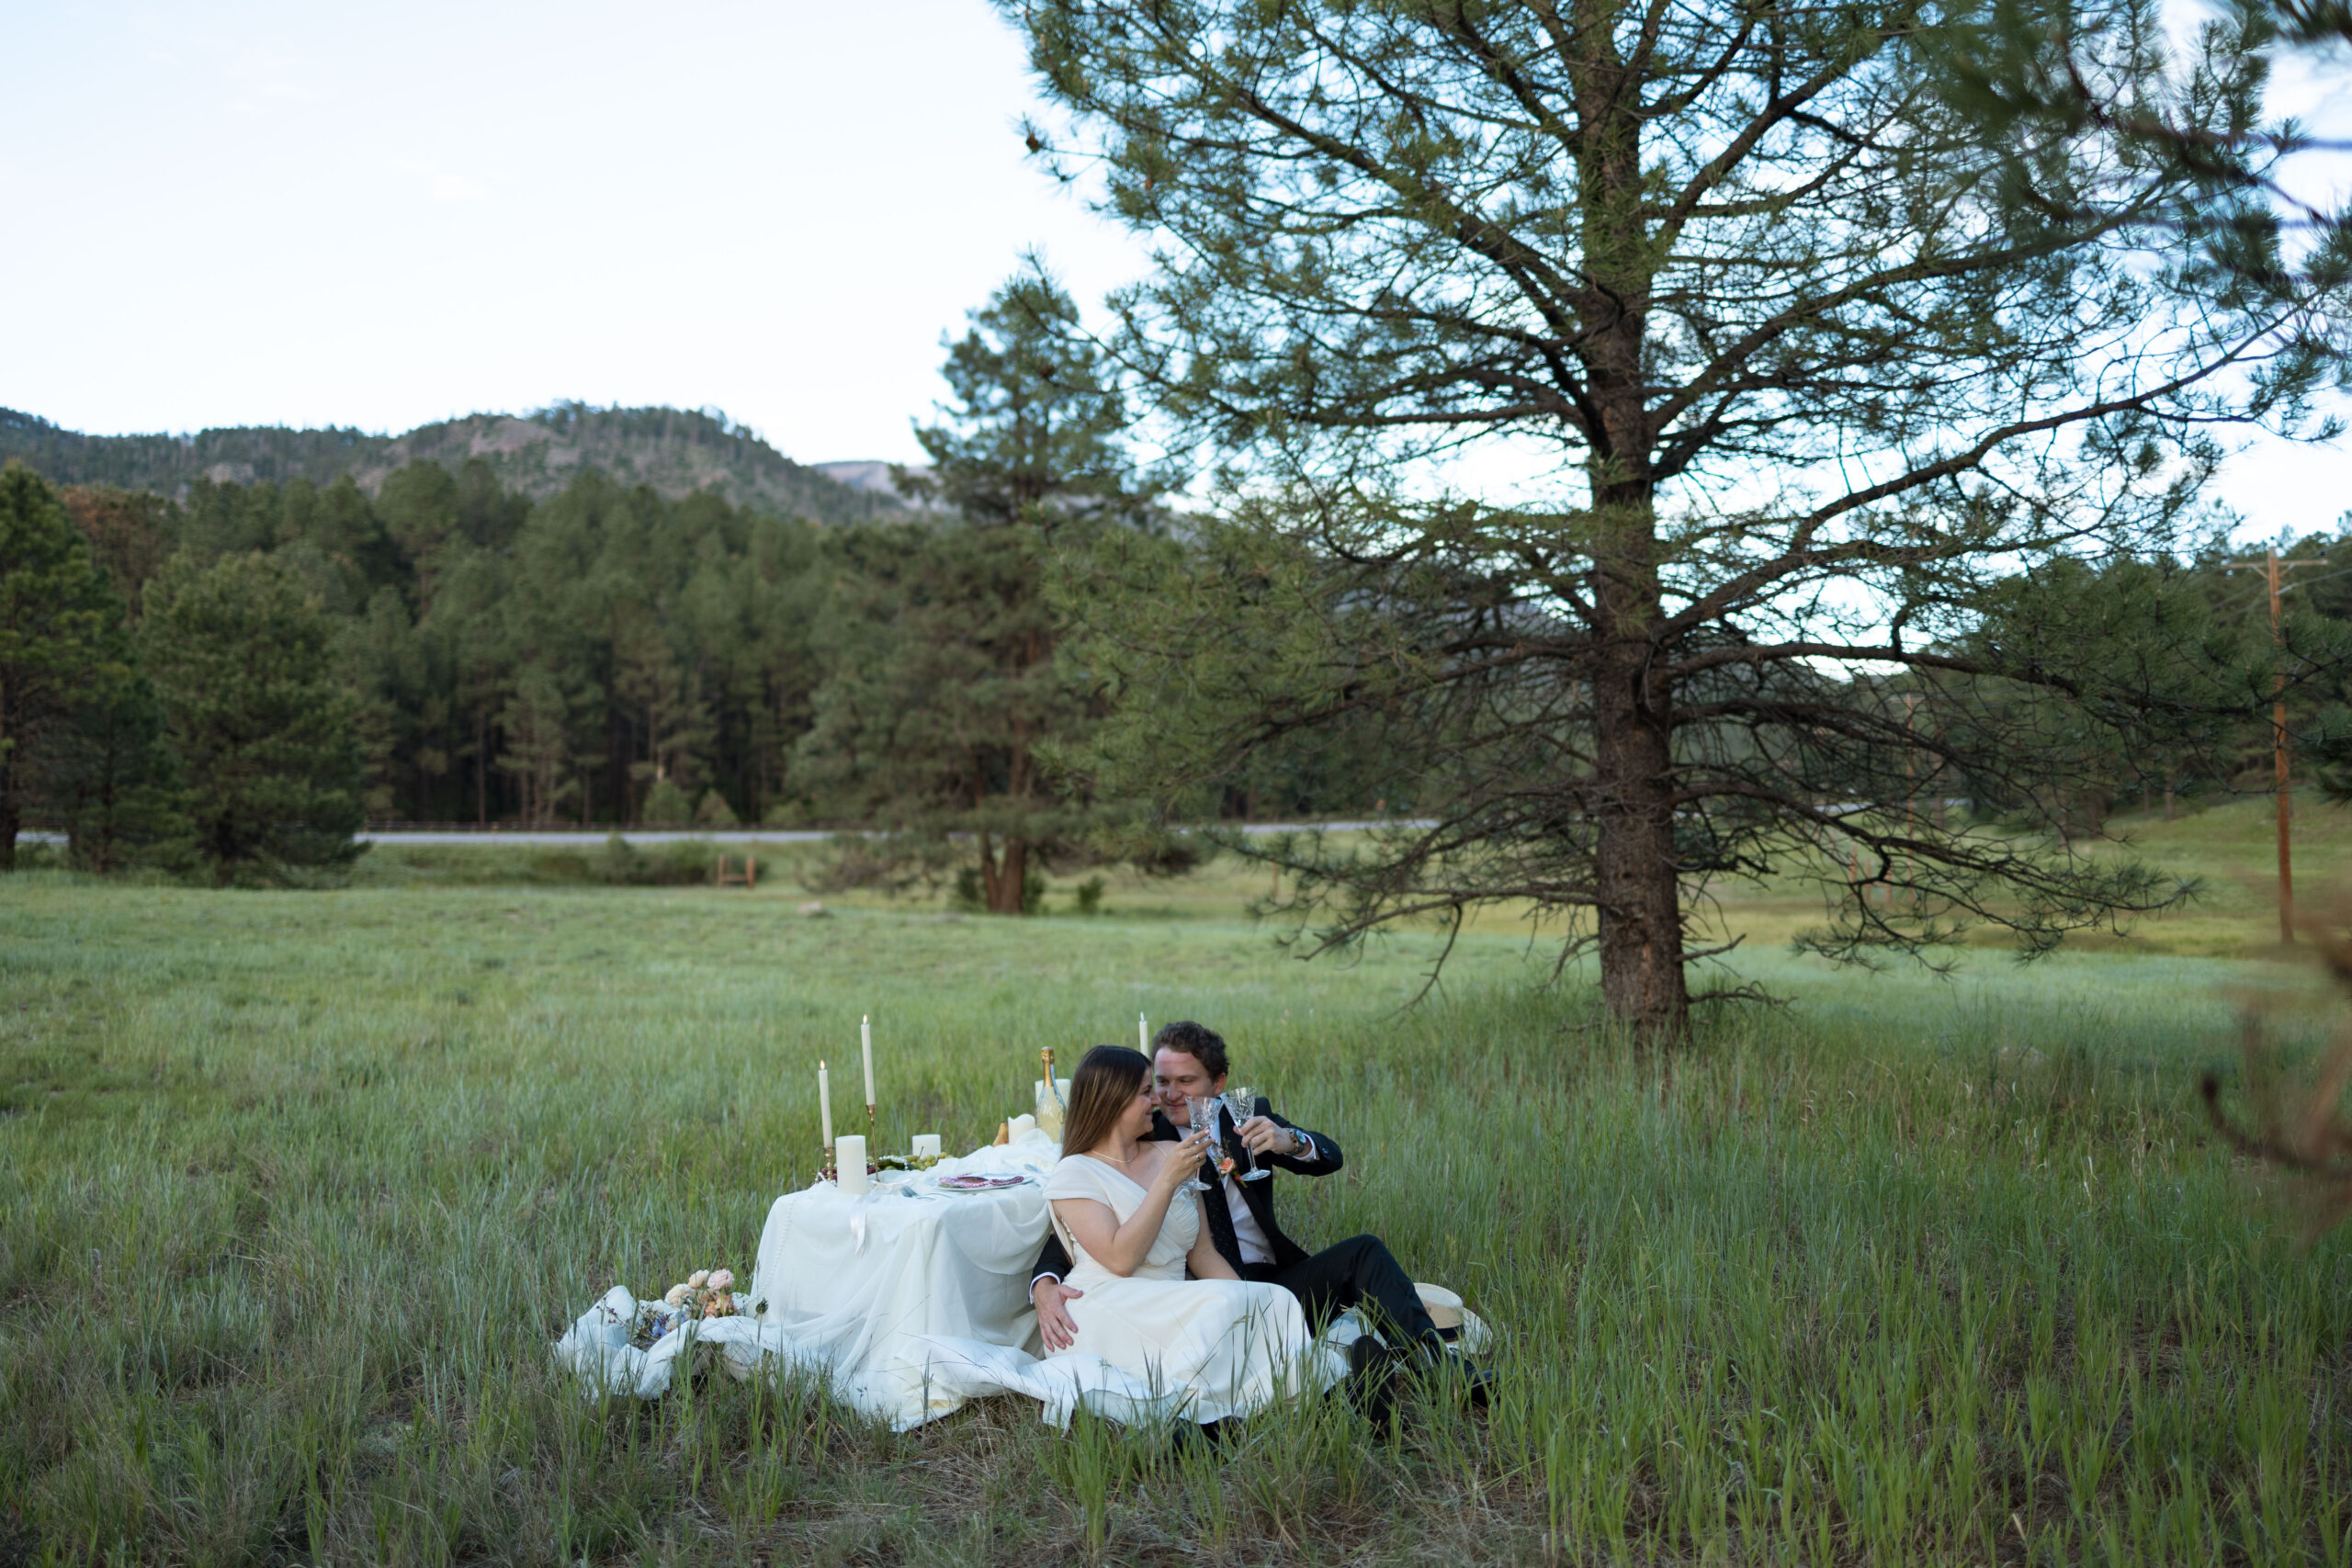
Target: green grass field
296	1189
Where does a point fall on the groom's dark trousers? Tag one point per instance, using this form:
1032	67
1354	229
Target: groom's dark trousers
1358	1272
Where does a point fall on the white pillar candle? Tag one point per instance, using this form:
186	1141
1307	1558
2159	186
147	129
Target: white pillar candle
865	1041
849	1156
1022	1126
825	1101
926	1145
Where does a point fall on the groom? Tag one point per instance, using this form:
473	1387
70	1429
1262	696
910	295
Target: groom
1190	1061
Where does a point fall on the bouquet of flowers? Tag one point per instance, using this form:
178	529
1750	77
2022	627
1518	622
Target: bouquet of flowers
706	1292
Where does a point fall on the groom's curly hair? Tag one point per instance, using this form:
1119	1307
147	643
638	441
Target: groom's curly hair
1198	1040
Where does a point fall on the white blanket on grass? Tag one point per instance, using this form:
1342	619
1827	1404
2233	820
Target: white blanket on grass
907	1305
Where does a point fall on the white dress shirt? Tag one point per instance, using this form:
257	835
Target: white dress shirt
1247	1231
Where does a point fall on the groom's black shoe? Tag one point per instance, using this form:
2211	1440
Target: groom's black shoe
1439	1365
1372	1382
1211	1435
1476	1381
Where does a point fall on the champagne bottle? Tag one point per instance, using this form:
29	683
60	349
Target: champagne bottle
1051	1111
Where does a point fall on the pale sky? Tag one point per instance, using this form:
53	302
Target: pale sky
381	215
316	214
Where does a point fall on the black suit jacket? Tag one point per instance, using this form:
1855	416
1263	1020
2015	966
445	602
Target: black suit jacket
1259	1195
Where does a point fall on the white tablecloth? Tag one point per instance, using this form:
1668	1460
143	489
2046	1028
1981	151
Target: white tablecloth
910	1305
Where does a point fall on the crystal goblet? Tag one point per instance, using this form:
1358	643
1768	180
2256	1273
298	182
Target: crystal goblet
1242	1104
1203	1114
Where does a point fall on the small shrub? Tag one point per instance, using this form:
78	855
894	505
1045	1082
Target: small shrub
680	863
684	861
1089	896
852	860
40	854
666	806
623	864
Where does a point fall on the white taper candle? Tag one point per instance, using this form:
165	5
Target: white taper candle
1143	1035
825	1101
865	1043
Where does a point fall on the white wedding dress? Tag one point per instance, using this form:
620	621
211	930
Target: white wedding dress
1209	1348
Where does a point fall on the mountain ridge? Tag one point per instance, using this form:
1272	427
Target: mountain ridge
675	451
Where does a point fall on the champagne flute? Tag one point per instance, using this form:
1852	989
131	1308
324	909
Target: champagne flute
1242	1104
1203	1114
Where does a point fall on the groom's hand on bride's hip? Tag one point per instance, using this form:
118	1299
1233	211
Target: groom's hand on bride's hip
1053	1323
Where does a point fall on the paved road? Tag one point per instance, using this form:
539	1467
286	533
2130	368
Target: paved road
556	838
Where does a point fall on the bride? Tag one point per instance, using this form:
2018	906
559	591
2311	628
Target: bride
1213	1346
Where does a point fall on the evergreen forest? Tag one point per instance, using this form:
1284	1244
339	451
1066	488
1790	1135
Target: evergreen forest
607	656
230	677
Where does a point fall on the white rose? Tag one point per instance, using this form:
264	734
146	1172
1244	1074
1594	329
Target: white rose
720	1278
697	1277
677	1294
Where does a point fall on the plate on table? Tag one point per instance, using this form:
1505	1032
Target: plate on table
975	1182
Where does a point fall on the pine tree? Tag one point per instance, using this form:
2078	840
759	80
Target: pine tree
131	533
945	692
262	731
111	785
1798	372
537	725
664	700
60	641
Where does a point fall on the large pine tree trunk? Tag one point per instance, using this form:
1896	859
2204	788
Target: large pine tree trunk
1002	878
1637	878
1639	887
1637	874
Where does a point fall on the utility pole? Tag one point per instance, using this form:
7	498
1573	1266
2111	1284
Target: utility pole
2273	567
2279	759
1910	794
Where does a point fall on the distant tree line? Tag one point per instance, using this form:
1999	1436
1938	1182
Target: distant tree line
235	680
232	683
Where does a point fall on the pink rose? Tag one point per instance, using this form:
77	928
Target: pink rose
720	1278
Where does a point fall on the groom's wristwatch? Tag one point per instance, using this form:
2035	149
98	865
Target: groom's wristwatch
1301	1145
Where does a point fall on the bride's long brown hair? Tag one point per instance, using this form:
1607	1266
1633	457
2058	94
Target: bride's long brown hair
1099	1093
